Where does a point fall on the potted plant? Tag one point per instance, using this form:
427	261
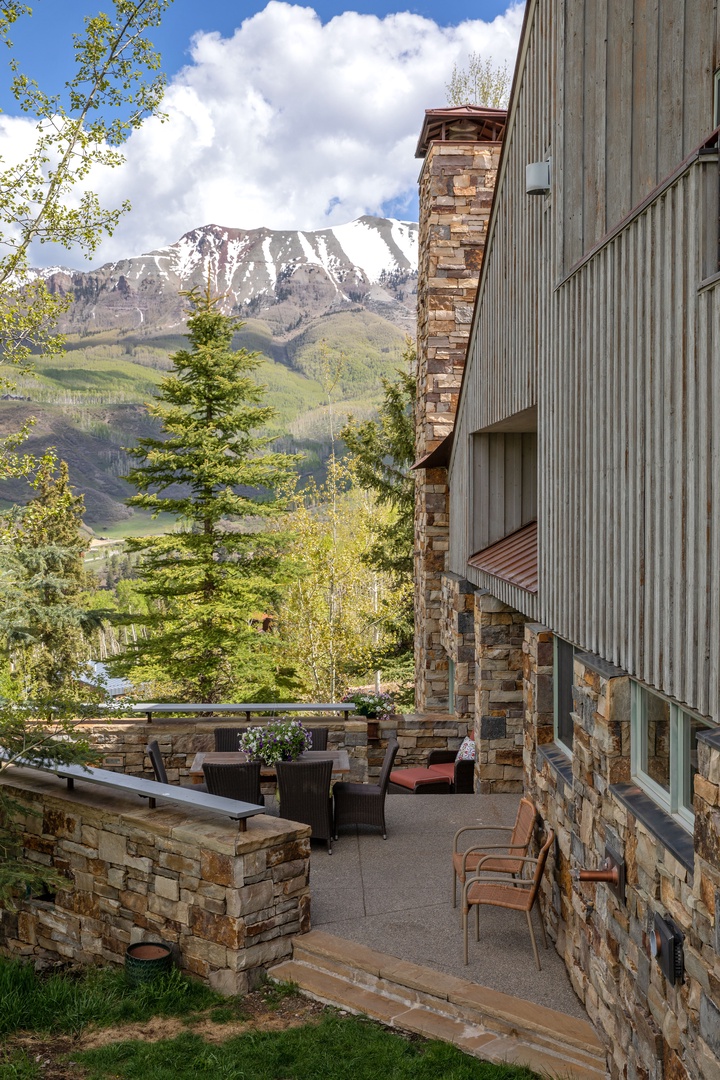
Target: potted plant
375	707
280	740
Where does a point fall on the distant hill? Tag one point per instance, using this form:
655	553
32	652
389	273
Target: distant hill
346	294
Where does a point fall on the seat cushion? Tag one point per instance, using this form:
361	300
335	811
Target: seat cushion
447	770
412	779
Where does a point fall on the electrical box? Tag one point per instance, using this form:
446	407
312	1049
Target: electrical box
666	946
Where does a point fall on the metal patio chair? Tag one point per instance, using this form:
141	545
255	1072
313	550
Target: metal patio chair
518	894
521	834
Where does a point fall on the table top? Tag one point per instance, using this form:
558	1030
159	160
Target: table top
339	758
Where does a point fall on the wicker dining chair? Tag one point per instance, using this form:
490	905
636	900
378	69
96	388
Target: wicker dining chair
240	782
509	855
304	793
364	804
156	760
227	739
319	738
518	894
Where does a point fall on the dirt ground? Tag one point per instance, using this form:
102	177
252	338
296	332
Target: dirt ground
53	1054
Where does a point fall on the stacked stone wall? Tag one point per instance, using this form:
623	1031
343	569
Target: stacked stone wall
123	744
456	188
654	1030
228	902
457	636
499	710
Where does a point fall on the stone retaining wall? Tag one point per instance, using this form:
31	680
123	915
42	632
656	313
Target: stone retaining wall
123	744
654	1030
228	902
457	633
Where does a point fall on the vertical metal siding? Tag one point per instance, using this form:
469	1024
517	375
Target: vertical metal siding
619	357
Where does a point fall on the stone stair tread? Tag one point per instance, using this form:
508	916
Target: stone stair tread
472	1038
516	1012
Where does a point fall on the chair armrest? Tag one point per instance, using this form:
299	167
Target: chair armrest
480	828
441	757
464	776
505	848
492	881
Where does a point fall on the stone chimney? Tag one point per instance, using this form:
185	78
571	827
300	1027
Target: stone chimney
461	148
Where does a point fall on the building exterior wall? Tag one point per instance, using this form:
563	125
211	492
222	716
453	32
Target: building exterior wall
598	313
498	695
456	186
653	1030
457	637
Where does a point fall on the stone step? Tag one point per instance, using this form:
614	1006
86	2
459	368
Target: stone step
475	1018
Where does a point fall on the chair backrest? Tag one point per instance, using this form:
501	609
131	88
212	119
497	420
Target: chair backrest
156	760
524	827
228	738
304	791
240	782
540	866
392	748
319	738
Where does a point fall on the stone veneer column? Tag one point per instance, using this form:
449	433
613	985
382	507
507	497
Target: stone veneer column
499	709
456	186
457	636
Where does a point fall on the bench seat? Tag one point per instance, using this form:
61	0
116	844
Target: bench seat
442	775
419	781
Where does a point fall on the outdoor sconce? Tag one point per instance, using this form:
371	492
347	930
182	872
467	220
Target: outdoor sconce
537	178
666	946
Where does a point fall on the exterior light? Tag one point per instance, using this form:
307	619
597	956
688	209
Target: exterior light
537	178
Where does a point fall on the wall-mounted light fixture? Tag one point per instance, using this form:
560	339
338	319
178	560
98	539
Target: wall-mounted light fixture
537	178
666	946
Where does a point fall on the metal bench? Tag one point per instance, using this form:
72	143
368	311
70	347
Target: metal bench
149	789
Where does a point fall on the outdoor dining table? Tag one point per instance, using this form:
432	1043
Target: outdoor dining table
339	758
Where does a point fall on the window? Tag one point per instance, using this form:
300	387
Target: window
563	655
451	686
716	99
664	752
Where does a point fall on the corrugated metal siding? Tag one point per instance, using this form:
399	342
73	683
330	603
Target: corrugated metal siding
622	351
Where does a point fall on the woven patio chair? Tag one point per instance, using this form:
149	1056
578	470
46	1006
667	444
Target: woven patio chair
227	739
521	833
240	782
364	804
304	792
156	760
519	894
319	738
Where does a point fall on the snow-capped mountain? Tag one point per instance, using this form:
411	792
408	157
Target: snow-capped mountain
285	278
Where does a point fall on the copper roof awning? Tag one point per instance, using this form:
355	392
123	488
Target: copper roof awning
513	559
439	458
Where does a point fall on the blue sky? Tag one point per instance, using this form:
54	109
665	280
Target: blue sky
280	115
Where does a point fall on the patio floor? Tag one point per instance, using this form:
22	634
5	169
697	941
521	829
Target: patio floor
394	896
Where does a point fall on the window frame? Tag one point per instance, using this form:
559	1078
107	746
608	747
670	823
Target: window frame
716	98
557	642
679	750
451	686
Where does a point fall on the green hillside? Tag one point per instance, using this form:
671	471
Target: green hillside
89	403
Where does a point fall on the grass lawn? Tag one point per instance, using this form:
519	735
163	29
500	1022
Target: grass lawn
96	1026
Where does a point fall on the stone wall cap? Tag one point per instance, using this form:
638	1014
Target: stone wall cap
602	667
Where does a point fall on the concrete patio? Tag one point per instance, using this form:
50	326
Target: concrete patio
395	896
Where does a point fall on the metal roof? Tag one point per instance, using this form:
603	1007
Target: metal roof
513	559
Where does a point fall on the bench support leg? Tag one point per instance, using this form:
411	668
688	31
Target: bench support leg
70	783
242	824
151	804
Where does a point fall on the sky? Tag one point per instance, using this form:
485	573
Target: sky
280	116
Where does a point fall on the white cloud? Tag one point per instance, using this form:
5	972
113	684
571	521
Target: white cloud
290	123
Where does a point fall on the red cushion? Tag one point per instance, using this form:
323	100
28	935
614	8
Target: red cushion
413	778
447	770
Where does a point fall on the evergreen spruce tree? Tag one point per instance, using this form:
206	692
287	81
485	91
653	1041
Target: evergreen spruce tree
381	453
208	581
